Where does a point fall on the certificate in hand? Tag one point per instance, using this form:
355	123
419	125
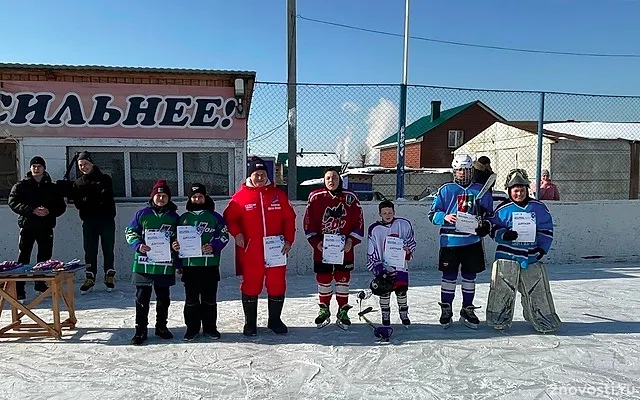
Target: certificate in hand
525	224
333	249
466	223
394	254
273	256
190	242
158	241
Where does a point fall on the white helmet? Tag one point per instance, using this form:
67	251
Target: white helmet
462	161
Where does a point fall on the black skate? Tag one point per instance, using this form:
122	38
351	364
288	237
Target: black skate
447	314
342	319
323	317
468	316
404	316
191	334
386	317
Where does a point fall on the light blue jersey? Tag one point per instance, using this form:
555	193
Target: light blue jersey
451	199
523	253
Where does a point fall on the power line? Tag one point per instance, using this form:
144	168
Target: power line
474	45
266	134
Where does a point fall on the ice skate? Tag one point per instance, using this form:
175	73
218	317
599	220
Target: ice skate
447	314
323	317
386	317
468	316
342	319
404	316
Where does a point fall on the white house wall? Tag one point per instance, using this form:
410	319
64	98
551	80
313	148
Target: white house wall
591	169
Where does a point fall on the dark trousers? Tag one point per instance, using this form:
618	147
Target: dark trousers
28	237
102	230
200	306
143	299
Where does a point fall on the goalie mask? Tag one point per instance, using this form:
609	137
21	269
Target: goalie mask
382	284
462	166
517	178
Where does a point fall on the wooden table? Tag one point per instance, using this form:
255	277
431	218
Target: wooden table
60	289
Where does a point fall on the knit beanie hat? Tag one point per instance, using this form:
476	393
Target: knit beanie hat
198	188
85	155
161	186
38	160
256	164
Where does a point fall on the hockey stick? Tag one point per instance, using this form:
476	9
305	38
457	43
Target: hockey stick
381	332
485	188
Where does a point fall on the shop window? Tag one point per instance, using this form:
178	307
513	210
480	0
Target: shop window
112	164
147	168
210	169
8	168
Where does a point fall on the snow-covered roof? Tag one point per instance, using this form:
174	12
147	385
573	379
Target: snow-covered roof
377	170
597	130
318	160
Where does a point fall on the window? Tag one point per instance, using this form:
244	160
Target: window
456	138
135	170
8	168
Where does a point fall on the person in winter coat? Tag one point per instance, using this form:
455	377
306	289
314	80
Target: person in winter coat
336	211
482	170
257	212
92	194
201	275
38	202
149	275
548	189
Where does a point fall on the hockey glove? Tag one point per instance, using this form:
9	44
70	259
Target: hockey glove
483	229
539	253
510	235
378	270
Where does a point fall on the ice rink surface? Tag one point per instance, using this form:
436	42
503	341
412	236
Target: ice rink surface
595	354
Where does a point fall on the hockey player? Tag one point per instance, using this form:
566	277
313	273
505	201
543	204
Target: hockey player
201	275
333	210
455	209
160	215
378	232
517	264
260	210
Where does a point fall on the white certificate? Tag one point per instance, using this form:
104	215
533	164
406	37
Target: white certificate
466	223
333	249
273	256
158	241
190	242
525	224
394	254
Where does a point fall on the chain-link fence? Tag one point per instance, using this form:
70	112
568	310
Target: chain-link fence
589	144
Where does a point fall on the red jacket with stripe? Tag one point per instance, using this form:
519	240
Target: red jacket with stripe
257	212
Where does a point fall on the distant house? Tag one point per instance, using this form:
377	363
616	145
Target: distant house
310	165
431	140
587	160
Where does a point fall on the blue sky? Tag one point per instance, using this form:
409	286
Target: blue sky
251	35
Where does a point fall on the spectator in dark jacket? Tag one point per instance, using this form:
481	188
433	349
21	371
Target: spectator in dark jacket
482	170
92	193
38	202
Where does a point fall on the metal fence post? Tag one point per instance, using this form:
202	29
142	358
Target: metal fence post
292	161
403	109
540	130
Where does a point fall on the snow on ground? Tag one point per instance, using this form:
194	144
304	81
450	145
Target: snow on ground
593	355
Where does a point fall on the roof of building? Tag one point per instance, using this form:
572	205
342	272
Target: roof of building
423	125
597	130
312	159
106	68
532	127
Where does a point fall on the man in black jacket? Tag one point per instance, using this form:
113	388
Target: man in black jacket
93	196
38	202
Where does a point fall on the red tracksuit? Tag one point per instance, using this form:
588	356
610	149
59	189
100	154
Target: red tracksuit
257	212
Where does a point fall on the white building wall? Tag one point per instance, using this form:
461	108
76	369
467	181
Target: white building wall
604	230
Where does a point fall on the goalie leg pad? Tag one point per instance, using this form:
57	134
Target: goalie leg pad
502	293
537	301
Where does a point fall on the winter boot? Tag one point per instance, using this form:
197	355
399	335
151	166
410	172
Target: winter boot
89	282
275	311
468	316
447	314
343	320
323	316
250	307
386	316
404	316
140	335
192	320
110	280
209	320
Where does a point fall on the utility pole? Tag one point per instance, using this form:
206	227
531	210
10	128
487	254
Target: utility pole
403	108
292	171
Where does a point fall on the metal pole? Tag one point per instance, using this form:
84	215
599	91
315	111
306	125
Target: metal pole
403	108
292	172
540	129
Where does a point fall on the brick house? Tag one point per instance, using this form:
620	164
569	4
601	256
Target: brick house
432	139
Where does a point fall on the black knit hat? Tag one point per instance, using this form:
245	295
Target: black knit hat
85	155
256	164
38	160
197	188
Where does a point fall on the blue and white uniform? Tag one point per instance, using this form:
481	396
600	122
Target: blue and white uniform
378	233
